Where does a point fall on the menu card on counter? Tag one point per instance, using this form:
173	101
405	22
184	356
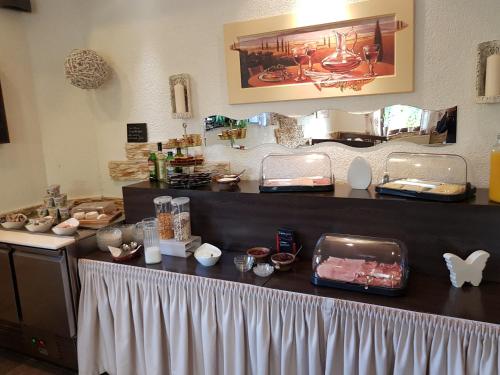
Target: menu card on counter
137	133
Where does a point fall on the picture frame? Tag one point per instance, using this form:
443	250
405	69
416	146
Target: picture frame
4	131
364	49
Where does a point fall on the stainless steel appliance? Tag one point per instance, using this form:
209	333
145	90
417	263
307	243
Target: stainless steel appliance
38	299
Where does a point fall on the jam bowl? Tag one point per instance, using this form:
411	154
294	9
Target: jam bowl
260	254
283	261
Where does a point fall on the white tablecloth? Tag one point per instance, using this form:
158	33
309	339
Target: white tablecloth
140	321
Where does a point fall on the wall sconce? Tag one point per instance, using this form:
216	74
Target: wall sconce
180	96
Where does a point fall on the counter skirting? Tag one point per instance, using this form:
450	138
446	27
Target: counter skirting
141	321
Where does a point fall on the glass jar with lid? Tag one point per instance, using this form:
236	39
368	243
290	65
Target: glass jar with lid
163	207
438	177
362	263
181	218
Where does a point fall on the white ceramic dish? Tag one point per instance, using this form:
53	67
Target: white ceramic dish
32	226
263	270
13	224
207	255
66	228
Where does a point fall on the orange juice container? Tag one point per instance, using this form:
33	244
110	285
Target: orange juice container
495	172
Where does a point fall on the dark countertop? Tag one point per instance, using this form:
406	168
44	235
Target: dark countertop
342	190
425	293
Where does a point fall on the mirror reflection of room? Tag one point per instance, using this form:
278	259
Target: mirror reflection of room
356	129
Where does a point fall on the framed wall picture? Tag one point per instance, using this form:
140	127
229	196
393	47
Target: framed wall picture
4	132
364	49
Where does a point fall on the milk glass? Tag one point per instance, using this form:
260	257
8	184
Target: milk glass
152	252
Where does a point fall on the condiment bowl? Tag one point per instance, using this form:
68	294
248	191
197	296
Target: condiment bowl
18	224
66	228
263	270
207	255
243	262
260	254
283	261
40	225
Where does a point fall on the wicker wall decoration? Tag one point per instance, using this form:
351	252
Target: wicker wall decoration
86	69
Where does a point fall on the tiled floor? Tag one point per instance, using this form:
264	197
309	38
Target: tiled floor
16	364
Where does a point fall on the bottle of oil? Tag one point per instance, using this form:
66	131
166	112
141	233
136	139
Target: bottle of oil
495	172
161	167
152	166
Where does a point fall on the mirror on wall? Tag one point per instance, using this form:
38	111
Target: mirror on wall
356	129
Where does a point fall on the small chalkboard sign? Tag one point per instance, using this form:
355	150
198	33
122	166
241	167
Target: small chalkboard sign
137	133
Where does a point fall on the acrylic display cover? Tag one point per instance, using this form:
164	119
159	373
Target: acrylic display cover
438	177
296	172
369	264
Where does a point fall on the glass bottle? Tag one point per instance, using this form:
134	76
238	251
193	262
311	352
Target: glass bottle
495	172
152	166
178	154
161	170
152	252
170	168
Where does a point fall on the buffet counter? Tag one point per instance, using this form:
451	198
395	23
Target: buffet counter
40	240
227	322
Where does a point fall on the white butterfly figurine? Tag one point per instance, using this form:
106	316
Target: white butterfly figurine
470	270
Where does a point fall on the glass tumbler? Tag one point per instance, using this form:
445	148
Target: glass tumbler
152	252
181	219
163	207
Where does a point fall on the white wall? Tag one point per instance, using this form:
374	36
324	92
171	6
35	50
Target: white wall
149	40
22	168
146	41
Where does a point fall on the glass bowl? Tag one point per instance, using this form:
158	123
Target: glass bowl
263	270
243	262
109	237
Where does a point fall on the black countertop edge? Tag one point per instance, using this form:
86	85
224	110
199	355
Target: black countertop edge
425	293
341	190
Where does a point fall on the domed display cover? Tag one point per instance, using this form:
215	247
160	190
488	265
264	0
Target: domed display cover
438	177
310	171
369	264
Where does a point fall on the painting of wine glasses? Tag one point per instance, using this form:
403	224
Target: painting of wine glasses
346	57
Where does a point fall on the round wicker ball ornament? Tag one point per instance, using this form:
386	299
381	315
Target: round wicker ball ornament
86	69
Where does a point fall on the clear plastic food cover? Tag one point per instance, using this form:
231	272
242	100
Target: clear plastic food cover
296	172
370	264
428	176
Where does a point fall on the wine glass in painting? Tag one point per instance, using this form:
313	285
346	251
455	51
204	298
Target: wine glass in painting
311	50
300	57
370	53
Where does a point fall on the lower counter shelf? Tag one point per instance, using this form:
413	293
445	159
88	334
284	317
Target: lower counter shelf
425	293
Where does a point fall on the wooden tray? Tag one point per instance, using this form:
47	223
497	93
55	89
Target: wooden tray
96	224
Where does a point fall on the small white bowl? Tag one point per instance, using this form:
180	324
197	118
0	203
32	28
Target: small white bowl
263	269
40	228
14	224
207	255
66	228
